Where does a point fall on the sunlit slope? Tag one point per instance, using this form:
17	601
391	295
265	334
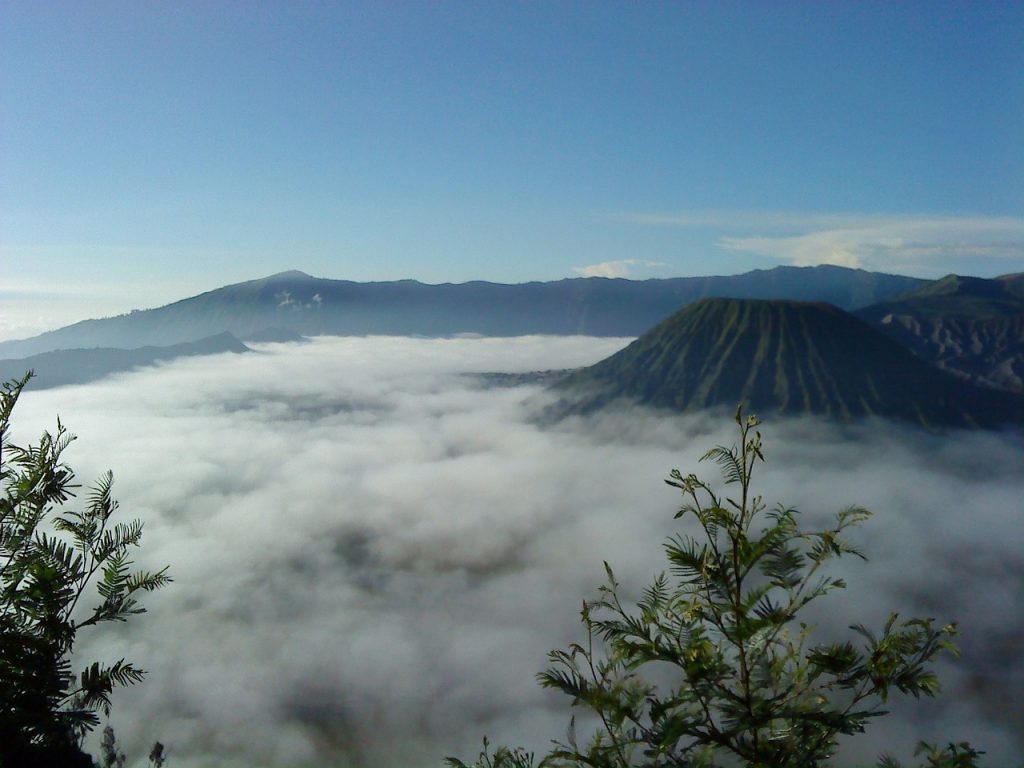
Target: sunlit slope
784	357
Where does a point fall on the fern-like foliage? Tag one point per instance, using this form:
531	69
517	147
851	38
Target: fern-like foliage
748	684
503	757
51	557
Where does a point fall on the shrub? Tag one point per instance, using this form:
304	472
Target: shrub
748	684
51	560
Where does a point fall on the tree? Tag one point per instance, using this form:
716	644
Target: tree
51	560
747	684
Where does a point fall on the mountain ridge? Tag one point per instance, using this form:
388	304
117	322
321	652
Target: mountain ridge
78	366
307	305
970	327
787	357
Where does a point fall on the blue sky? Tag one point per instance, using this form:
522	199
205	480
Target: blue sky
149	151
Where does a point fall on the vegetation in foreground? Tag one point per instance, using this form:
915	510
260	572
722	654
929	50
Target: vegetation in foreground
748	685
53	559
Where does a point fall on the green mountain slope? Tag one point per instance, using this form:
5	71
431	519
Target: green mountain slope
784	357
967	326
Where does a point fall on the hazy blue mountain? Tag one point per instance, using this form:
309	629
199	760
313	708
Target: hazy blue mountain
275	335
970	327
305	305
78	366
781	357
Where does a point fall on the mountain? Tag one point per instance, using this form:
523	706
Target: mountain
784	357
1013	283
78	366
296	302
274	335
970	327
954	295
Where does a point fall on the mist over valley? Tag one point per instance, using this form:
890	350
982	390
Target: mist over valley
392	320
373	552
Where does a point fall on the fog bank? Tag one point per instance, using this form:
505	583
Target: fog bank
373	553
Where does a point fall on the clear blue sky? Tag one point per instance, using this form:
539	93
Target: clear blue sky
149	151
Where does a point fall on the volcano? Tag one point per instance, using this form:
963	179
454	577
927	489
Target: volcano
787	357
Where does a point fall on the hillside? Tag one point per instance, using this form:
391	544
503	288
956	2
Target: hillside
970	327
300	304
1013	283
78	366
781	357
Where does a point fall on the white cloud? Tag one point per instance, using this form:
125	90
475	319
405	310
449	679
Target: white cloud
900	245
372	554
621	268
919	244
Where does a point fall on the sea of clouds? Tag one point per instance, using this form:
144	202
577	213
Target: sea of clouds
372	552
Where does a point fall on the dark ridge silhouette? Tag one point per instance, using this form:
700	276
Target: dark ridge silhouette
78	366
1014	283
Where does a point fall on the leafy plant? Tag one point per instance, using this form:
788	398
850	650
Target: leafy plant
111	755
50	558
742	680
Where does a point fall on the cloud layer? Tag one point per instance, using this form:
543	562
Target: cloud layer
914	244
621	268
909	245
372	554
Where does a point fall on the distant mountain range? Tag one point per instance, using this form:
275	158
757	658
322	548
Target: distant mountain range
784	357
298	303
913	350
